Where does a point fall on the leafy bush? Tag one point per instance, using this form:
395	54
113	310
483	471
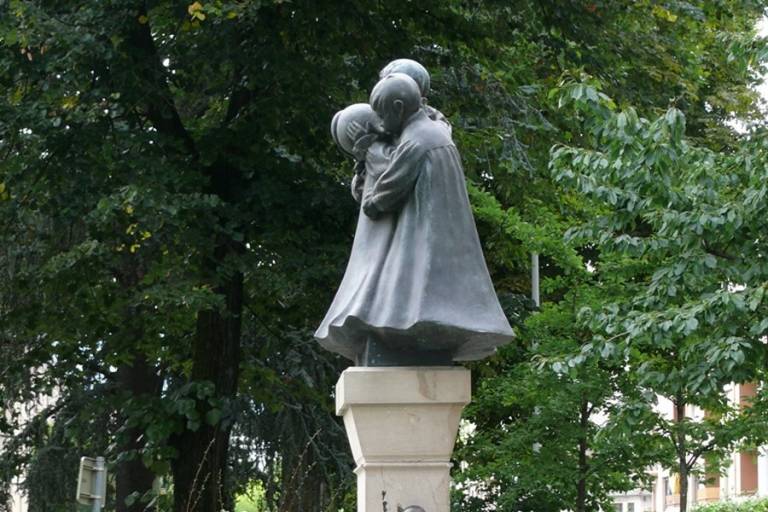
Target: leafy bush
730	506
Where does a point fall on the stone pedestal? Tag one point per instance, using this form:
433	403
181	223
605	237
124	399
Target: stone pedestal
402	424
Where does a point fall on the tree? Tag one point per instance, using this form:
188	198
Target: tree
659	57
682	218
548	434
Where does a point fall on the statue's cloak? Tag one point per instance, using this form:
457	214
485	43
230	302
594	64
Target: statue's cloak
416	278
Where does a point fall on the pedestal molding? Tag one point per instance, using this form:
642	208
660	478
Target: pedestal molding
402	465
402	385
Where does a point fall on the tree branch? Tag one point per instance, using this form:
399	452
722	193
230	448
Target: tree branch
159	104
239	99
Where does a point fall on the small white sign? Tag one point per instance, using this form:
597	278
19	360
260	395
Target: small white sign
92	481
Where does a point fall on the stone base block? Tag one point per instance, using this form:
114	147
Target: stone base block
395	486
402	424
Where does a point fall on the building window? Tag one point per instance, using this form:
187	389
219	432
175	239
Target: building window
748	462
618	507
630	507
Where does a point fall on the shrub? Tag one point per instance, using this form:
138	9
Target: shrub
730	506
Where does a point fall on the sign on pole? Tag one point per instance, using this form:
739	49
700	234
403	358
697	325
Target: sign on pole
92	482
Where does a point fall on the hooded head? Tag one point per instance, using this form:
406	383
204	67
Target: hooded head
395	98
361	113
411	68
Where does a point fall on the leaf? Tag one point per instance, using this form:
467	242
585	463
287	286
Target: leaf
195	10
213	416
621	120
69	102
161	467
132	498
664	14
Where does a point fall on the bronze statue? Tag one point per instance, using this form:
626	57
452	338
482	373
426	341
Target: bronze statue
416	291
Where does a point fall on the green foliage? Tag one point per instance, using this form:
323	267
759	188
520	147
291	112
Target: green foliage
530	396
679	219
251	501
741	506
553	420
683	217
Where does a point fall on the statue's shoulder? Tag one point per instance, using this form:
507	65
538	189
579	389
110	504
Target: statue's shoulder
429	134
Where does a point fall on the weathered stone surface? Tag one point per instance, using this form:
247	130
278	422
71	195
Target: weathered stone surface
402	424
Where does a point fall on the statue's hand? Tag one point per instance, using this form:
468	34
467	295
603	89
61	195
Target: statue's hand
355	130
362	145
370	210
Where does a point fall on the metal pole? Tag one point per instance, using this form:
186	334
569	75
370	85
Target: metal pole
100	485
535	279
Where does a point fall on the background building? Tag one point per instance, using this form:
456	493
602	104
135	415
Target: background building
746	476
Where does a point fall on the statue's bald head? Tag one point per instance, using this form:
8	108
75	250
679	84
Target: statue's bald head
395	98
411	68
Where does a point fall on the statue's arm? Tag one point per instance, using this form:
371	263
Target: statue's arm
438	116
392	188
358	182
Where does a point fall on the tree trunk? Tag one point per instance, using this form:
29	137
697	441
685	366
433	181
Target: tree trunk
682	464
581	486
131	476
302	486
683	468
200	470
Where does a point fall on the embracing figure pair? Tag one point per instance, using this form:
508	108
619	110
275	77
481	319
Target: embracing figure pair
416	291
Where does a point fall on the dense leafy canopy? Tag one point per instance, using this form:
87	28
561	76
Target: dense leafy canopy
610	365
671	234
